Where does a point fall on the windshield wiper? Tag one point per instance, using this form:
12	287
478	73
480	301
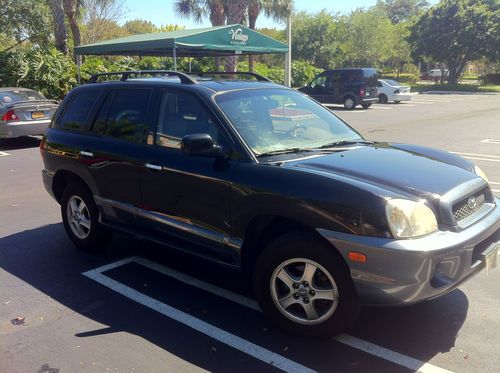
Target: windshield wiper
345	142
284	151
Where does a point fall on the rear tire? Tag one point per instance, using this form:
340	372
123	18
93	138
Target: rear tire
382	98
80	217
318	297
349	103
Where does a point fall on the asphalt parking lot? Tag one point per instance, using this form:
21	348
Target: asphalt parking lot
139	307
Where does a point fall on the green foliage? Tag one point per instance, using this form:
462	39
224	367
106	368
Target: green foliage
493	78
402	78
303	73
25	20
457	31
318	38
139	26
49	72
402	10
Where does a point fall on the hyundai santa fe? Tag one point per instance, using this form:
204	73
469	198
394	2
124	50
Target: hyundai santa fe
262	178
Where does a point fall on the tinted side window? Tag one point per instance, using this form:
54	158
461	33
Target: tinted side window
182	114
123	115
75	115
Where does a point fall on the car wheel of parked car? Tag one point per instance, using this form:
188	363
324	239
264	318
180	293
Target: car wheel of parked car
80	218
305	287
349	103
366	106
382	98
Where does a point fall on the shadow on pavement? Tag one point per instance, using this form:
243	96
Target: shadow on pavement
45	259
19	143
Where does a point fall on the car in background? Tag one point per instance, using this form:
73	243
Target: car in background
24	112
434	74
350	87
392	90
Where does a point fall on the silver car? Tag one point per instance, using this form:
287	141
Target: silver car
24	112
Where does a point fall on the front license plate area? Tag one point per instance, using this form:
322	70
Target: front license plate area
37	115
490	256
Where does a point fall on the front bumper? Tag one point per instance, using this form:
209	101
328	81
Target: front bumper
400	97
399	272
18	129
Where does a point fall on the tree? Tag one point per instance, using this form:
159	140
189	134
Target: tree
370	39
402	10
60	31
139	26
457	31
236	10
72	10
279	10
100	18
319	38
23	21
197	9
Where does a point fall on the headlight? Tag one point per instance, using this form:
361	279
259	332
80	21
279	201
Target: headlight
409	218
480	173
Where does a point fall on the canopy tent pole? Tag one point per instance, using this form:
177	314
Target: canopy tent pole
78	65
174	53
189	57
288	55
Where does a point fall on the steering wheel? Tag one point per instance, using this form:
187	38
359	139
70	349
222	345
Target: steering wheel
294	131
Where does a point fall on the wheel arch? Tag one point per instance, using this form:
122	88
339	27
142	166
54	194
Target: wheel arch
263	229
64	177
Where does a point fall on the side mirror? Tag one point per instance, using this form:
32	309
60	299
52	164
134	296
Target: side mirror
201	144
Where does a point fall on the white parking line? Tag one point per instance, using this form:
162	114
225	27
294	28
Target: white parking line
491	141
381	107
232	340
201	326
479	157
3	154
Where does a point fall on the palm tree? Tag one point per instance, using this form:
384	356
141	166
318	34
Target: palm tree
197	9
236	11
60	32
72	10
279	10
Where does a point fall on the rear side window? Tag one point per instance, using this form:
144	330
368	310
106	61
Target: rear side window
123	115
75	115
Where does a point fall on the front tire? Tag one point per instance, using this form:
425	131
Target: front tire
304	286
80	217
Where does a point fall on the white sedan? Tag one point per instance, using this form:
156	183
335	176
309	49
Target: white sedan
391	90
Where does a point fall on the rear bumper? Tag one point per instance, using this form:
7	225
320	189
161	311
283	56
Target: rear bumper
400	272
366	100
48	179
18	129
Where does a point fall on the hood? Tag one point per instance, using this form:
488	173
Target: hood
398	167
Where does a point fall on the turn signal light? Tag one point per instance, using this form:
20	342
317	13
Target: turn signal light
356	257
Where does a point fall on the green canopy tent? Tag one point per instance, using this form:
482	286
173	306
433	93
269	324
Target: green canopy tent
206	42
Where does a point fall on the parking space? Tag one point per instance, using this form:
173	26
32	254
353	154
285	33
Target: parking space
137	306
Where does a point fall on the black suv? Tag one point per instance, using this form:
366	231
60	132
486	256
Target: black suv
260	177
350	87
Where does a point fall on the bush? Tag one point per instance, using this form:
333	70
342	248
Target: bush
303	73
402	78
47	71
493	78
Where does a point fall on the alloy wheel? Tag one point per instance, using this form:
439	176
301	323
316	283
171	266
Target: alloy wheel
78	217
304	291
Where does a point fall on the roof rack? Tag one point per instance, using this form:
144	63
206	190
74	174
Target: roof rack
124	75
258	77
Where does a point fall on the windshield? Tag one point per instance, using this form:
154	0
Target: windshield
271	120
9	97
392	83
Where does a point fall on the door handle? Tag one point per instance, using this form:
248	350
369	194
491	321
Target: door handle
152	166
86	153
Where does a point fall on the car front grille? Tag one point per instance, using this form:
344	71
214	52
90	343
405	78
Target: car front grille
468	206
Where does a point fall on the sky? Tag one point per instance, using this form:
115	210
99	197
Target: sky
160	12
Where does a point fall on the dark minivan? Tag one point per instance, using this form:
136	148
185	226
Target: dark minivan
350	87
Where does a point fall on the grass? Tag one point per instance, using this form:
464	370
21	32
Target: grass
455	87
